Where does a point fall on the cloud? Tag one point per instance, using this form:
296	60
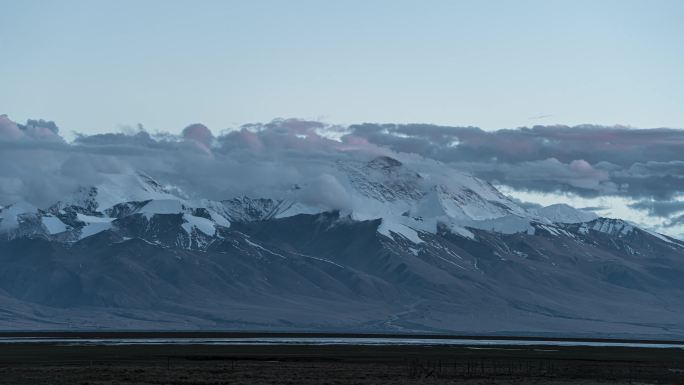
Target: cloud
594	208
326	191
586	160
41	130
199	134
9	130
262	160
642	166
675	221
660	208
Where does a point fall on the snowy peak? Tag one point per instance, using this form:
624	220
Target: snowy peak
116	189
383	179
562	213
422	199
412	200
384	163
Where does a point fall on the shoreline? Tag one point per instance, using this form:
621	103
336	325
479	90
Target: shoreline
150	334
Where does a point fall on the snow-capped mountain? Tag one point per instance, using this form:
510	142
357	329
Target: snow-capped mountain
411	249
383	188
562	213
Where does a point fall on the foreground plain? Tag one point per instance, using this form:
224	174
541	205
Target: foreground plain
38	364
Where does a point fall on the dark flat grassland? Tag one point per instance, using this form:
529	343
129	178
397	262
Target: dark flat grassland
37	364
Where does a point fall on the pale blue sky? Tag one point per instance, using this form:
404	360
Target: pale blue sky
93	66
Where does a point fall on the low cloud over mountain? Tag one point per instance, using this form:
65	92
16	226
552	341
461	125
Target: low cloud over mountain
645	166
587	160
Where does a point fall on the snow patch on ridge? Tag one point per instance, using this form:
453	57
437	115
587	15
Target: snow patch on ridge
93	224
613	226
162	206
94	228
53	225
202	224
93	219
387	227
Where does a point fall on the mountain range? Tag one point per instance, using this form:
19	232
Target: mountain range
404	251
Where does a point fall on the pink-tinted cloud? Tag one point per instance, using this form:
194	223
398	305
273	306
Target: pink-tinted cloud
199	133
9	130
34	129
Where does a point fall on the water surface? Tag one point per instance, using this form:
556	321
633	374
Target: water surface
344	341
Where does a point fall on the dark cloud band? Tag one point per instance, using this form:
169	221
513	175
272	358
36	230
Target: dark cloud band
587	160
